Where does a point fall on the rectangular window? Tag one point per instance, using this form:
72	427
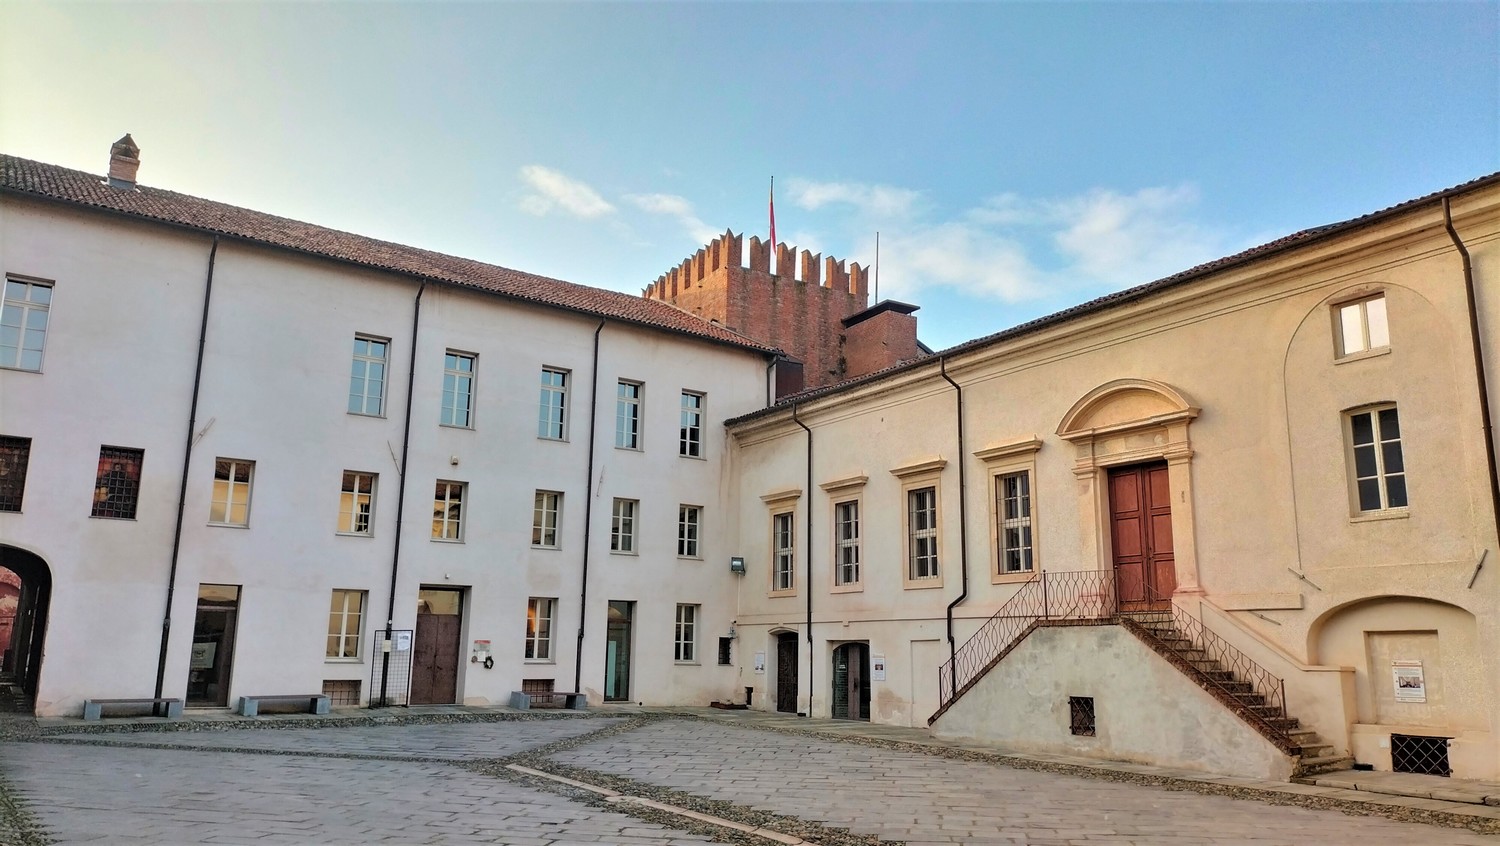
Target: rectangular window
117	485
448	511
622	526
357	504
846	542
725	644
1013	511
552	414
1379	471
1081	715
15	454
922	535
687	634
628	415
544	511
784	566
231	502
539	616
367	376
458	390
690	429
23	323
1362	326
689	522
344	617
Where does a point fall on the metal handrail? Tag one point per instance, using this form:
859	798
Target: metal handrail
1241	667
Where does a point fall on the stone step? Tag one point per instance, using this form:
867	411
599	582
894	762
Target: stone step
1323	764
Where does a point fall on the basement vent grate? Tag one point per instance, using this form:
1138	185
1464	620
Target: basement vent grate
1414	753
341	692
1081	715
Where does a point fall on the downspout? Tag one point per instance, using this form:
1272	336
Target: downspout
963	517
807	587
411	381
588	515
1479	372
187	457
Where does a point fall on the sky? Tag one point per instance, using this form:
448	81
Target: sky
1016	158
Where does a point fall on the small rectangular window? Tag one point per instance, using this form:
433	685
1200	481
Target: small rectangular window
922	533
1379	470
846	542
117	485
690	428
544	511
344	617
23	323
1081	715
357	504
686	650
622	526
231	500
1013	513
784	567
689	523
448	511
1362	326
15	454
367	376
628	415
458	390
725	644
539	616
552	412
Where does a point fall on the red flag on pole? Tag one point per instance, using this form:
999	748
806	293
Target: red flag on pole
773	215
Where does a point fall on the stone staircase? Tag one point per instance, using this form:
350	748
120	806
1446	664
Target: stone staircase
1205	659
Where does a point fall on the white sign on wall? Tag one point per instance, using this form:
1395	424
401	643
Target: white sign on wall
877	667
1411	685
760	662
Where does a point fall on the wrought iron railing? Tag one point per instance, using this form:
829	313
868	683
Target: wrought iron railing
1078	595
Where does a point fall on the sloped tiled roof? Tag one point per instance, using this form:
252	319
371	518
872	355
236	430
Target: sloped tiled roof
74	187
1129	295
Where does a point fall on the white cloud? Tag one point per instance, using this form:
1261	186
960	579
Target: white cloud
876	200
680	208
551	189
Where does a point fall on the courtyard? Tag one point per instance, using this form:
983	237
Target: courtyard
621	778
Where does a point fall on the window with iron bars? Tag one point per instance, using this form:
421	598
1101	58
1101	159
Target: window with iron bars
117	485
15	454
1081	715
846	542
921	529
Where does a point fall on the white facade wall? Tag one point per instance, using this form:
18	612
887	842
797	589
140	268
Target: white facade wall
119	367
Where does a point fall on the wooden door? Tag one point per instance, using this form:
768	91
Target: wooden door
436	647
786	672
1140	511
851	682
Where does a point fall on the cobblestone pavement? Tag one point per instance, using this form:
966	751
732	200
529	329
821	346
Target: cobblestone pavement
447	742
136	797
922	799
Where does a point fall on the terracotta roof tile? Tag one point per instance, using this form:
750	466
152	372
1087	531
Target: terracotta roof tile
37	179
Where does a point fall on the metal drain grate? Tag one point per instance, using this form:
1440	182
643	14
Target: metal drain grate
1414	753
1081	715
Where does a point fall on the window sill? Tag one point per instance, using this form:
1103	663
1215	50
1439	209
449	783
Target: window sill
364	414
630	554
455	426
1012	578
447	540
852	587
922	584
21	369
554	440
546	548
1362	355
689	558
693	457
629	449
687	664
539	661
355	534
779	594
103	517
1377	516
230	525
343	660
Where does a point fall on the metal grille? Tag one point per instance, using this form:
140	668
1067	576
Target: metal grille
1414	753
15	454
118	483
537	685
1081	715
341	691
390	672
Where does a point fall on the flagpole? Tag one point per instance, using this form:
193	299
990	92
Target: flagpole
773	219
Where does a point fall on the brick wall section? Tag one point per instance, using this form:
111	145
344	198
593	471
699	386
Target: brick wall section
799	309
879	342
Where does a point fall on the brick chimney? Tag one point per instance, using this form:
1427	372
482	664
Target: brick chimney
124	161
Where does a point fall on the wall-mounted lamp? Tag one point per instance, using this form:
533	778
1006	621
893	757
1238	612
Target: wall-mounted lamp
737	565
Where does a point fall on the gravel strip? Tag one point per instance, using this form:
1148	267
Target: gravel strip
1352	807
28	728
18	826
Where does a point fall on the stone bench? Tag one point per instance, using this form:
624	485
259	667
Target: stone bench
93	709
316	703
522	701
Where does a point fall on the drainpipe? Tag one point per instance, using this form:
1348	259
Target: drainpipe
187	457
588	516
963	518
807	586
1479	372
411	381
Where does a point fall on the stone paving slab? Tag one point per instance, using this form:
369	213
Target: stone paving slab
925	799
453	741
1474	791
150	797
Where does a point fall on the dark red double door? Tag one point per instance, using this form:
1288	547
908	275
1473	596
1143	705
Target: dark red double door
1140	520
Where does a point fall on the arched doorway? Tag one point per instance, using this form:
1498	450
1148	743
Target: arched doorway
851	682
23	623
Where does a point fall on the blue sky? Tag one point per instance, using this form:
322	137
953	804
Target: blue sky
1016	158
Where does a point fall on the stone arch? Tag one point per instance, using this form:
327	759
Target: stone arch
28	629
1123	405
